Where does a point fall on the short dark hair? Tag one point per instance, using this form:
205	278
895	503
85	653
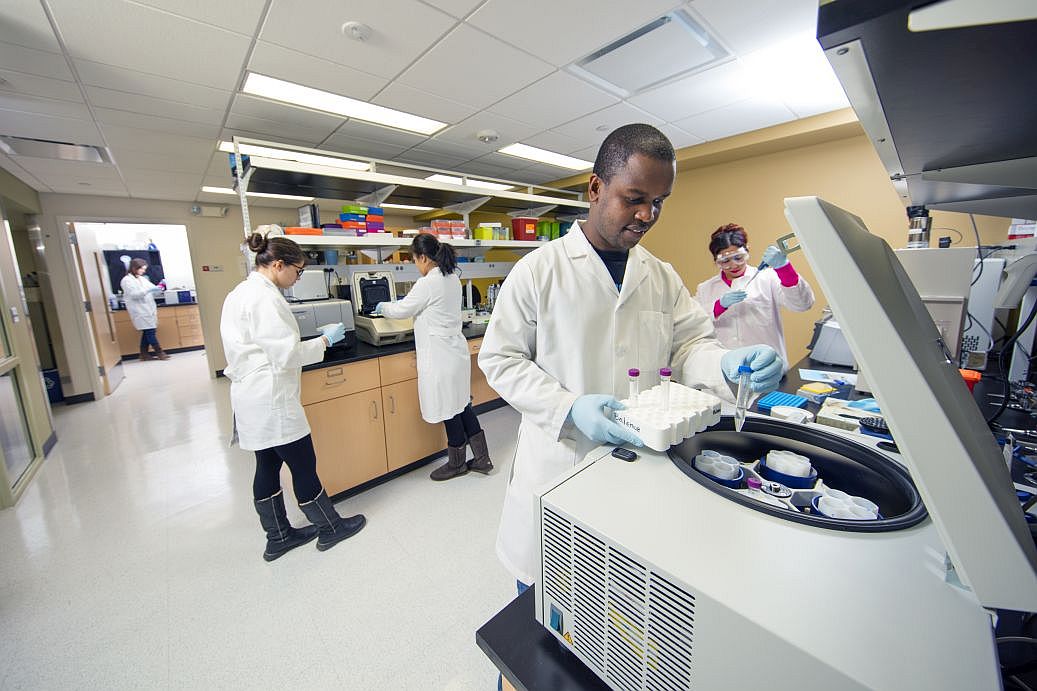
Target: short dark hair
135	264
624	142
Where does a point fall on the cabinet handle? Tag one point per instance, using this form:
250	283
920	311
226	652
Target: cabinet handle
392	404
333	372
329	384
374	410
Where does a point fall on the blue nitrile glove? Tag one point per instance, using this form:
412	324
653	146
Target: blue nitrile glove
766	364
731	297
868	405
333	332
589	416
156	290
378	309
775	257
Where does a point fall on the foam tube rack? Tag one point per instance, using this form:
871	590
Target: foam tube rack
659	423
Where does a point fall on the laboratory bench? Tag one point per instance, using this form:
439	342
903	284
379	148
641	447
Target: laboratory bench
179	327
365	418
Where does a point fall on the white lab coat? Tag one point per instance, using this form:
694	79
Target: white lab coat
559	330
757	318
140	303
264	364
444	364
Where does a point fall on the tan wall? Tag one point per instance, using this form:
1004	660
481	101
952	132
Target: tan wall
750	191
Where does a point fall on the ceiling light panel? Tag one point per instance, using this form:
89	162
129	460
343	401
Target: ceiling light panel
667	48
797	72
297	94
544	156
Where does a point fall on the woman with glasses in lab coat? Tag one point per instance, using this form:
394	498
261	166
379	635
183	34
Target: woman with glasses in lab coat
444	364
746	303
264	364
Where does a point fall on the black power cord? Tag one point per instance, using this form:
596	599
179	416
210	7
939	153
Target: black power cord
1007	348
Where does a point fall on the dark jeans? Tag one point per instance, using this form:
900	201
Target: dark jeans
461	427
301	460
148	338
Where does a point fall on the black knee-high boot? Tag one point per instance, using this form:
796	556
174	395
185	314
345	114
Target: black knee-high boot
280	535
333	527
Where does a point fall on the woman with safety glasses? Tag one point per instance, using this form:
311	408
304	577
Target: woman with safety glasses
746	303
265	357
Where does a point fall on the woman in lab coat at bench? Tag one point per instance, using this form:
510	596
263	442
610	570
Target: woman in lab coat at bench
444	365
139	293
747	310
264	364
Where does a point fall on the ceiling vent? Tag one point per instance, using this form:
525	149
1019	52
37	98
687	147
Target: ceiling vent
670	47
61	151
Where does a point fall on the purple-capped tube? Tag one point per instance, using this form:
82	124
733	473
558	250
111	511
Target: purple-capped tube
632	374
664	386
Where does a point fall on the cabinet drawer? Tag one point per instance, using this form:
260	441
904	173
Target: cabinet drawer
190	332
188	319
474	344
399	367
339	380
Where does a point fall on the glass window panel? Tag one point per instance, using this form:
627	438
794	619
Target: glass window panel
14	433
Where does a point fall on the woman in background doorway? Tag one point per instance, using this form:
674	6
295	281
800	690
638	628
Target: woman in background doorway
746	303
444	364
139	293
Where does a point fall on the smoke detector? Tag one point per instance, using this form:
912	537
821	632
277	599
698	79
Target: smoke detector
357	31
487	136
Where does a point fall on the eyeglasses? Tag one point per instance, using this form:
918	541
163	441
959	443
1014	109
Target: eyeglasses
739	257
298	269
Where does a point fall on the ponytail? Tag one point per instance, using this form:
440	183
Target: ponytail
443	254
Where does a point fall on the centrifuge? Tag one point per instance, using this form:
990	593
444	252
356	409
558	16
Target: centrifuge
658	577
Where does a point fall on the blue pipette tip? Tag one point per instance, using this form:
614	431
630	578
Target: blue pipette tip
745	369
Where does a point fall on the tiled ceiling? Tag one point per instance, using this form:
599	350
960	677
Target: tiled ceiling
158	82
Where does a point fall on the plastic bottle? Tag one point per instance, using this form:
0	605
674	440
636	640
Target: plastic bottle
632	374
664	386
151	246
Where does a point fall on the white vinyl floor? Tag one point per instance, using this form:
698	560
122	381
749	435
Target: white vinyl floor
133	561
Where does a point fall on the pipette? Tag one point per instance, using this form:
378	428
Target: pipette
781	243
742	400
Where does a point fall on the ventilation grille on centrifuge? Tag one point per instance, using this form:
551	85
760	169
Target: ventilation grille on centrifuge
634	627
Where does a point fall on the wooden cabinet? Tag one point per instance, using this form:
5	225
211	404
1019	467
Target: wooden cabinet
349	439
481	391
339	380
365	417
407	436
179	326
188	325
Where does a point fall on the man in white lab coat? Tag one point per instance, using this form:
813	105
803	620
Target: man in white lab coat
575	315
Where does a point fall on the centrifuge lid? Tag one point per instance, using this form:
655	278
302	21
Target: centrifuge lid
954	459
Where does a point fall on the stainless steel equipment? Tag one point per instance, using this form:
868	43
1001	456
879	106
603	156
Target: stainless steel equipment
657	577
310	315
312	285
370	288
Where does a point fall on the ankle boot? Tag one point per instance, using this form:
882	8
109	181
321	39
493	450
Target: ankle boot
481	463
160	354
280	535
144	354
333	528
454	465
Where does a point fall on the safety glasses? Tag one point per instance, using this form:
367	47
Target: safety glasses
298	269
739	257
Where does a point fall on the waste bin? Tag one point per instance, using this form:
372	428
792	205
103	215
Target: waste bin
52	380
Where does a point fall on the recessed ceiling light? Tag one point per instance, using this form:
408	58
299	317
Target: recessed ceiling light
439	177
532	153
299	95
409	207
226	190
289	155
